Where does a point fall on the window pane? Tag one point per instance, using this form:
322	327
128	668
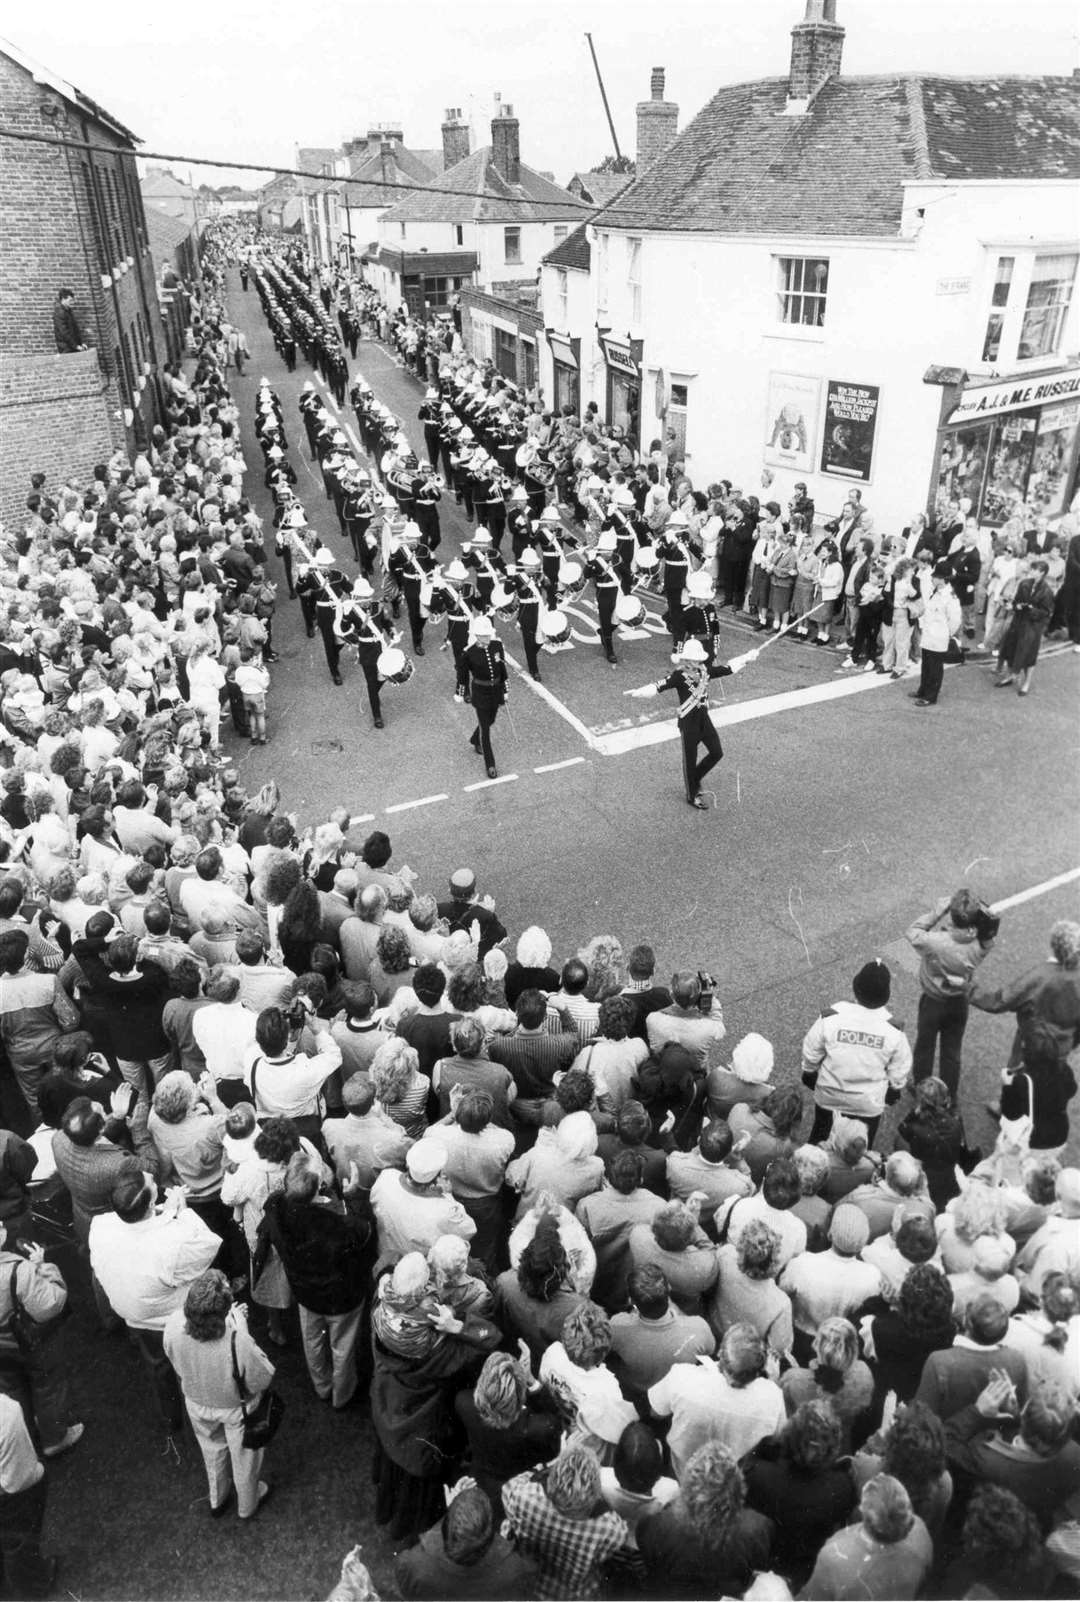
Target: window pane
678	394
1003	281
804	286
512	238
1047	306
998	299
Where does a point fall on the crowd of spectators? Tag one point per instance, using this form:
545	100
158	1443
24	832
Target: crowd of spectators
621	1328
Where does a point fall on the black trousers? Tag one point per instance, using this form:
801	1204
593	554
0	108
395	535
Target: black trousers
432	443
486	708
150	1344
944	1019
605	605
371	679
331	646
459	644
933	671
823	1122
416	617
697	730
528	640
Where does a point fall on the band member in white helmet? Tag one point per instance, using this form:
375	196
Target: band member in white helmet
690	679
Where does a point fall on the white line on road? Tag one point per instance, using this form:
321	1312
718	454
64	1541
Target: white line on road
486	784
365	817
553	767
1042	889
555	704
764	706
424	801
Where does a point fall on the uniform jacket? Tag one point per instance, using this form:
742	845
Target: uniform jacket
856	1053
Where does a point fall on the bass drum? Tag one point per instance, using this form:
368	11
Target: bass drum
504	603
571	578
394	666
555	627
629	610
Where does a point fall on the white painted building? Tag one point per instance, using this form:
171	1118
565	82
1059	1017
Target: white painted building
820	275
486	221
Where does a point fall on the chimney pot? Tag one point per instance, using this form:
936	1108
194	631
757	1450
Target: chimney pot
658	83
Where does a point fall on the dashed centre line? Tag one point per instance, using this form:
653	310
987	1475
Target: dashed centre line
424	801
553	767
486	784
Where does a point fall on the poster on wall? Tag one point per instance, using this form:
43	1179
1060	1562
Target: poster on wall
847	446
791	421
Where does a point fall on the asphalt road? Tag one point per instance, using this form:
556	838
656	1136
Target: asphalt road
836	822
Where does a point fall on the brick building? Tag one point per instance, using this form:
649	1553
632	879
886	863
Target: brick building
71	218
505	329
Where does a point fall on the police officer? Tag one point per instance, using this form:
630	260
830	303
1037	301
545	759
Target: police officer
690	679
487	673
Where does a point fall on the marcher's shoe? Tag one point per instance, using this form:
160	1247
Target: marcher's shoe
822	639
419	649
999	684
1022	689
311	634
879	668
72	1437
897	673
759	626
493	773
613	659
920	701
698	801
536	678
337	678
379	724
222	1507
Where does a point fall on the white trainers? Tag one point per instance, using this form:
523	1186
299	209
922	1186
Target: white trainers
72	1438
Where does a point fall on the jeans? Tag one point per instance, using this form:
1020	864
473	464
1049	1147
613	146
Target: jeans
944	1019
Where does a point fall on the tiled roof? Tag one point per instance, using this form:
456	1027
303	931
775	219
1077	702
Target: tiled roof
405	167
432	159
314	158
573	251
166	232
599	187
165	185
742	166
488	197
77	97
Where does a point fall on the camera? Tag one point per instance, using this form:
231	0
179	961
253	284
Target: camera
709	987
985	924
296	1014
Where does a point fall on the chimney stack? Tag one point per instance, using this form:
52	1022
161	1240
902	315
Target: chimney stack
506	144
817	44
455	138
386	160
657	122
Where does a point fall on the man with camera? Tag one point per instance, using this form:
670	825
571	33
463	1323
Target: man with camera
284	1081
695	1019
950	952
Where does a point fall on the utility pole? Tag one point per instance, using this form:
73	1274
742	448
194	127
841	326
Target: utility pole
603	96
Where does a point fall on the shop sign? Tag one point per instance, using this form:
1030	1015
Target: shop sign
847	446
954	286
563	349
618	356
1014	396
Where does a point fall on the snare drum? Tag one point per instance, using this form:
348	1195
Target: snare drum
571	578
646	559
504	602
394	666
629	610
555	627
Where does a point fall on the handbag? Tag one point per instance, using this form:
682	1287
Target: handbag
263	1419
28	1331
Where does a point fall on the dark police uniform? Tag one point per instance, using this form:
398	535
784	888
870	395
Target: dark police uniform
487	672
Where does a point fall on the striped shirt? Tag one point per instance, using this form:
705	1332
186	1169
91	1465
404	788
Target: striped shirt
534	1057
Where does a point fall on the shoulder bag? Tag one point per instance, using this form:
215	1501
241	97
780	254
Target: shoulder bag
263	1419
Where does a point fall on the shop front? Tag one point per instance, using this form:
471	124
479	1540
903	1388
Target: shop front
566	372
1011	448
623	360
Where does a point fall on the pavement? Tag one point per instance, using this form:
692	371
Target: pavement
841	812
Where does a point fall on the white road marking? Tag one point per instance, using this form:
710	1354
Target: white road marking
1042	889
365	817
353	439
554	703
486	784
424	801
764	706
553	767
